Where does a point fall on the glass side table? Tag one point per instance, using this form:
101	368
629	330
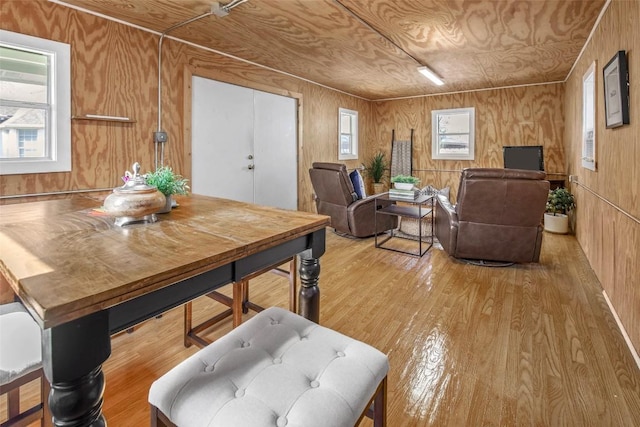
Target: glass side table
419	209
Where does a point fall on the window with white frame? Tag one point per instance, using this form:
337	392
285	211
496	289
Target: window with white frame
453	134
347	134
589	118
35	105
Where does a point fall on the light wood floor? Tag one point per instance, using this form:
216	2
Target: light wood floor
468	346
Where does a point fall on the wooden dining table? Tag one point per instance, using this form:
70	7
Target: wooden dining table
83	278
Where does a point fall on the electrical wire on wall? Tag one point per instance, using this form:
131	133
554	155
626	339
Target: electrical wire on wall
160	136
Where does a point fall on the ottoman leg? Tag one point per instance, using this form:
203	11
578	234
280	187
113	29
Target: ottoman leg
380	405
158	419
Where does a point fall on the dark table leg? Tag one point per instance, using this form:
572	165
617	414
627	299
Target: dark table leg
73	354
309	292
309	298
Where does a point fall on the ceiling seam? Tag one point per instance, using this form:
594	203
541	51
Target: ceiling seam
584	46
378	32
100	15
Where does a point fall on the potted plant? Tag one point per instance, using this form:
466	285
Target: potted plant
404	182
375	169
168	183
559	203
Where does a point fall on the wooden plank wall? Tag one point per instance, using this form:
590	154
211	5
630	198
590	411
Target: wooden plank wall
114	72
530	115
607	217
108	77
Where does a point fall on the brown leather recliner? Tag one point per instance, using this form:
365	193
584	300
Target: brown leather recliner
497	218
336	198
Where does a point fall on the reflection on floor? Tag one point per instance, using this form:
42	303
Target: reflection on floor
468	345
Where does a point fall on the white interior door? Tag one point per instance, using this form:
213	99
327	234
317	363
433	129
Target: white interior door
222	140
276	152
244	144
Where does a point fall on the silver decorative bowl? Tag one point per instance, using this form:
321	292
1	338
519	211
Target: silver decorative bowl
135	201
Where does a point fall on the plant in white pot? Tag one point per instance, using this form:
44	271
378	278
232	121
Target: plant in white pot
404	182
168	183
559	203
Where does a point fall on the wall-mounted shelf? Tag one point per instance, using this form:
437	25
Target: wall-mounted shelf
104	118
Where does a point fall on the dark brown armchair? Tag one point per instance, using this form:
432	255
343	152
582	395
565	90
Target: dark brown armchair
497	218
335	197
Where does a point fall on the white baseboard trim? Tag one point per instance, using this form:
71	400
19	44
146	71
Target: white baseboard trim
634	353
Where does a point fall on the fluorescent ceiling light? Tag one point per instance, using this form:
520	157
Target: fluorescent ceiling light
430	75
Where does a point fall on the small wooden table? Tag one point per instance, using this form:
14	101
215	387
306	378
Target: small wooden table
83	278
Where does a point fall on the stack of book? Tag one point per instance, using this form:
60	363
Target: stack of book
403	194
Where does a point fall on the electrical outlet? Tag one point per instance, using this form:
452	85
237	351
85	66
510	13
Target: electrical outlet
160	136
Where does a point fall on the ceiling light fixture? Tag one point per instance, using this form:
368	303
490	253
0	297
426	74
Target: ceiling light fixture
428	73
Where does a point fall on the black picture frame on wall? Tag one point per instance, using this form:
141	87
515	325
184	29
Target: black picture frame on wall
616	91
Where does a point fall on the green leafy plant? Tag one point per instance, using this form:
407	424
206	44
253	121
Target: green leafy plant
560	201
376	166
406	179
167	181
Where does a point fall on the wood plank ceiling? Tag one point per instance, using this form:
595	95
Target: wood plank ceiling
371	48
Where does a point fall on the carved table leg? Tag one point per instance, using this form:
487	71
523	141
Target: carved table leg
73	354
309	291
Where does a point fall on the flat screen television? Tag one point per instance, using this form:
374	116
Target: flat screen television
523	157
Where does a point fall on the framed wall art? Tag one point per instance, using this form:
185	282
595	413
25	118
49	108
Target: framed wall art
616	91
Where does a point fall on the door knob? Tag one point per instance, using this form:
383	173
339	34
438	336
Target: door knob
250	157
250	167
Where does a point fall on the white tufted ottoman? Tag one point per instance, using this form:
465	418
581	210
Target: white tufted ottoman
277	369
